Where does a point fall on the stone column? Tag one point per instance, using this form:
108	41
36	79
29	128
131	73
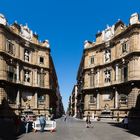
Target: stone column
36	104
86	101
18	98
116	99
98	78
17	72
47	101
3	95
98	100
117	73
35	77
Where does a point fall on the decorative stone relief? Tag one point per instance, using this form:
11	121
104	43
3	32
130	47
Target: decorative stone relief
108	33
26	32
134	18
2	19
46	43
87	44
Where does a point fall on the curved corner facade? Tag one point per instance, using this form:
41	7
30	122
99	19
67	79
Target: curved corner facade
27	74
108	78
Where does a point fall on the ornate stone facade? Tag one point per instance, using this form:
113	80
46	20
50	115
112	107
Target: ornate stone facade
108	77
27	75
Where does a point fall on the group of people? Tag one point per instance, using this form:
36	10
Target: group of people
88	121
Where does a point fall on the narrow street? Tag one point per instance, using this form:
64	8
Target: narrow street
75	130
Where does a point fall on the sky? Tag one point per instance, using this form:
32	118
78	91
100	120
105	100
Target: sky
67	24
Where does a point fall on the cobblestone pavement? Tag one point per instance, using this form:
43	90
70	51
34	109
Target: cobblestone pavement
76	130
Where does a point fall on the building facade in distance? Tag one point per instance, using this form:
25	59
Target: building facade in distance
27	74
108	78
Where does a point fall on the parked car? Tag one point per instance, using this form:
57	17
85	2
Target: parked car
29	114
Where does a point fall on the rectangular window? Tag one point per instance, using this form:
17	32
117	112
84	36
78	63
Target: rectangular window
125	73
124	47
9	47
92	60
40	79
91	80
41	99
11	74
41	60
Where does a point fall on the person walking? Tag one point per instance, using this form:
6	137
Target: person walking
65	118
42	122
125	122
88	122
27	124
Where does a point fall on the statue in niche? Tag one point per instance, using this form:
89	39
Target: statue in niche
107	107
27	77
107	76
107	56
26	55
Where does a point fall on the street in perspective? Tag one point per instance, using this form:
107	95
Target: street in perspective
74	129
62	87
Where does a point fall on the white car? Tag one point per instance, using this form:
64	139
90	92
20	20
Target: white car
50	125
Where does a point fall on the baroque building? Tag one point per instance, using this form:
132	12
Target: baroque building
28	78
73	102
108	78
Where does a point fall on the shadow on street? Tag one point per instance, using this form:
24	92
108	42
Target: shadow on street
132	127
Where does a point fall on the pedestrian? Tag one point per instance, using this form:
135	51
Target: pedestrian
27	123
52	117
42	122
65	118
17	123
88	122
125	122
